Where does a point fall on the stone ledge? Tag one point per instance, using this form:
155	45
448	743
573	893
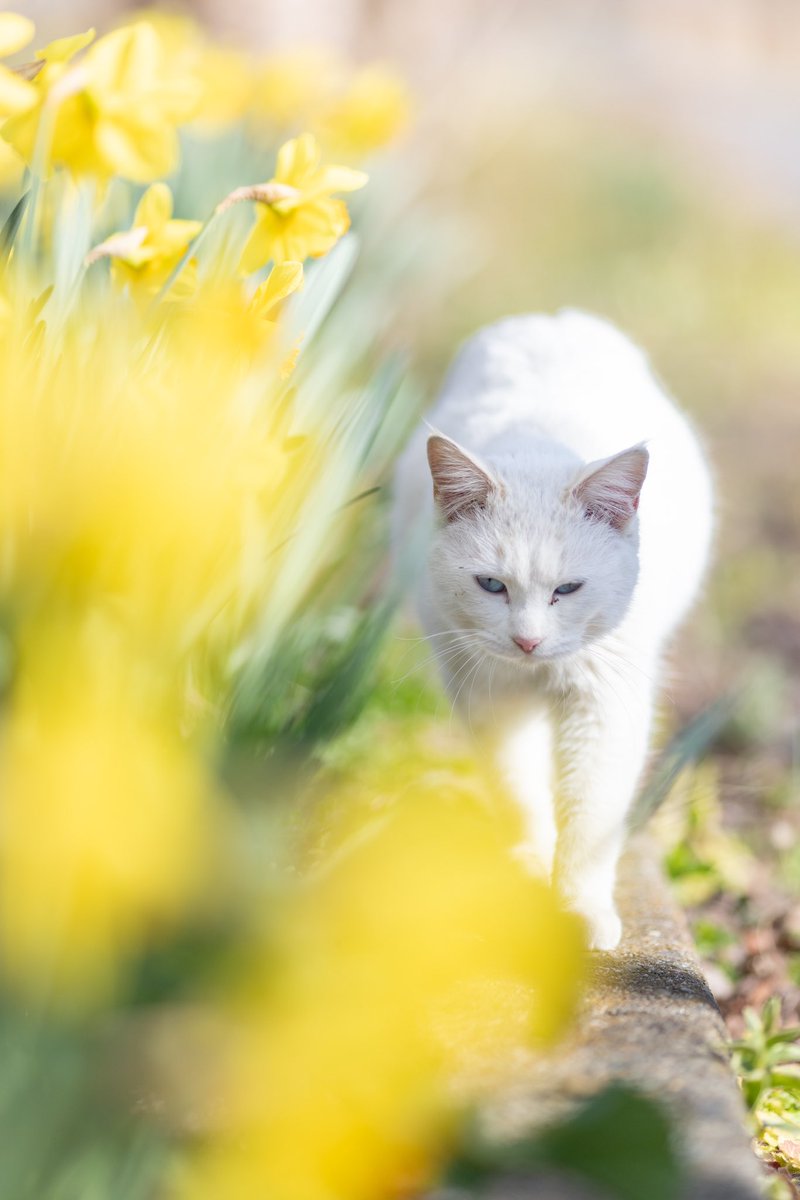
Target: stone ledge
649	1020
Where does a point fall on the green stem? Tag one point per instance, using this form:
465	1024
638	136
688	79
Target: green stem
41	153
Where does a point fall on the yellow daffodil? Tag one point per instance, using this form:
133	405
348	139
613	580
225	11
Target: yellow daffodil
12	169
372	111
305	220
63	49
230	330
341	1065
106	813
224	75
292	86
225	78
17	94
145	498
281	282
144	256
114	111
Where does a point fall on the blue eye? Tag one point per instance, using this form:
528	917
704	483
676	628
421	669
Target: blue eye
564	589
490	585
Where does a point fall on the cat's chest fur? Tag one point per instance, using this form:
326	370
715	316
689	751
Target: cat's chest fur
558	508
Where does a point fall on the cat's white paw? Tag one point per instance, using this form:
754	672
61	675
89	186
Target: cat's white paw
603	926
605	929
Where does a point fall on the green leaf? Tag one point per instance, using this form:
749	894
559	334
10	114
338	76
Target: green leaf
786	1077
771	1015
779	1053
324	281
619	1140
754	1026
9	231
790	1034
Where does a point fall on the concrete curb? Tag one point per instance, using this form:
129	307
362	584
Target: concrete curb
650	1021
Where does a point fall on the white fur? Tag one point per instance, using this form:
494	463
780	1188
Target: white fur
532	401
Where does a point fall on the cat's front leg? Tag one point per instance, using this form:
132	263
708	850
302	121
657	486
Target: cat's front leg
516	733
524	752
601	750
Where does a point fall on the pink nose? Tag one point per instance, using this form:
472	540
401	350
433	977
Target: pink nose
528	644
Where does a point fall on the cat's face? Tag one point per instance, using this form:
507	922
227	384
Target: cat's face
534	569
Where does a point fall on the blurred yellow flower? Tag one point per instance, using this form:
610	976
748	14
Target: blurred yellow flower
291	87
165	506
143	480
373	110
229	331
144	256
107	814
282	281
384	974
147	487
114	111
12	169
224	75
17	95
305	220
63	49
225	78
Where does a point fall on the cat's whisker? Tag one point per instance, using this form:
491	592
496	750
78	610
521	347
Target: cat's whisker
439	660
474	658
492	671
466	663
475	663
475	674
611	652
623	703
440	633
440	656
605	668
625	663
619	670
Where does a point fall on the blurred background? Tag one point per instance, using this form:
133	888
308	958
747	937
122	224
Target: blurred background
640	160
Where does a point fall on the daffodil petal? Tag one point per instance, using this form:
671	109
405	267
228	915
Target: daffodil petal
339	179
260	245
136	152
175	236
124	58
63	49
137	257
12	167
283	279
186	283
15	33
297	159
155	208
16	94
124	245
314	229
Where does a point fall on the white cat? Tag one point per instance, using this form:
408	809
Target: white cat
549	589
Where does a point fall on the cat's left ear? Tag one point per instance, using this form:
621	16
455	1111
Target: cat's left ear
609	490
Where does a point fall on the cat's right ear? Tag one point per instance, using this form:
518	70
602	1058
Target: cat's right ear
459	483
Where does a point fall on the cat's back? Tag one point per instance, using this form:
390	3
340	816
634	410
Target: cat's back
571	376
523	383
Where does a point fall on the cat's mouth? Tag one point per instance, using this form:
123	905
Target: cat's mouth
527	661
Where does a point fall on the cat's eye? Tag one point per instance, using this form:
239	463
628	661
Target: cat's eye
490	585
564	589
